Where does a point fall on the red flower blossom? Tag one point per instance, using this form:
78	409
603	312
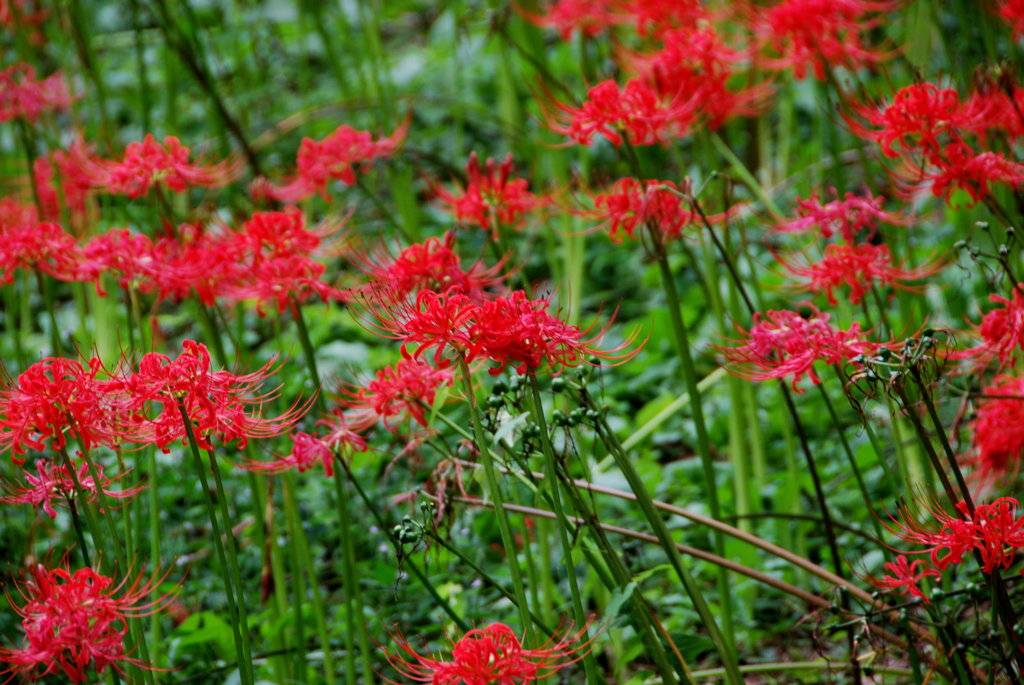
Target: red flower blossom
40	246
1001	331
55	398
53	483
695	66
331	158
905	577
821	34
860	267
632	205
50	197
489	655
286	281
783	343
147	164
959	167
490	198
592	17
127	256
997	440
284	234
430	265
636	112
1012	12
21	95
16	16
309	450
77	621
847	217
198	262
398	394
653	17
434	320
993	531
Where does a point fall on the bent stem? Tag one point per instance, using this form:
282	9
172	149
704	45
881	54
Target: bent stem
494	487
537	409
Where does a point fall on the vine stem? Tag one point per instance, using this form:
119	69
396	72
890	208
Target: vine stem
494	486
537	409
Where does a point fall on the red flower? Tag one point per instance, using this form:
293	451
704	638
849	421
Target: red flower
147	164
198	262
860	267
286	281
54	482
653	17
490	655
284	233
126	255
632	205
905	577
430	265
958	167
490	198
695	66
821	34
432	321
783	343
397	394
55	398
43	246
1012	12
592	17
74	196
21	95
997	441
636	112
993	531
846	217
1001	331
331	158
74	621
309	450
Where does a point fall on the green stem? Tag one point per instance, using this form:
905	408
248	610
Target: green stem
298	587
154	549
348	572
537	409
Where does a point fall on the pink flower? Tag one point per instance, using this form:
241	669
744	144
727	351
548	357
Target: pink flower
334	157
22	96
847	217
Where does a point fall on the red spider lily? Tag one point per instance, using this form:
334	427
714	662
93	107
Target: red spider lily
591	17
490	199
489	655
997	441
847	217
42	246
77	621
821	34
959	167
218	403
905	577
434	320
69	195
860	267
334	157
994	531
398	394
286	281
1001	331
285	233
145	165
1012	12
632	205
200	262
635	111
55	398
696	65
127	256
309	450
53	483
654	17
519	331
14	15
430	265
22	96
783	343
917	117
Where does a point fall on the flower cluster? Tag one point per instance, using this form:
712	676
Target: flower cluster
74	620
1001	331
784	344
847	217
492	654
860	267
993	531
490	199
905	577
513	330
334	157
997	433
54	483
1012	12
632	205
24	97
145	164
